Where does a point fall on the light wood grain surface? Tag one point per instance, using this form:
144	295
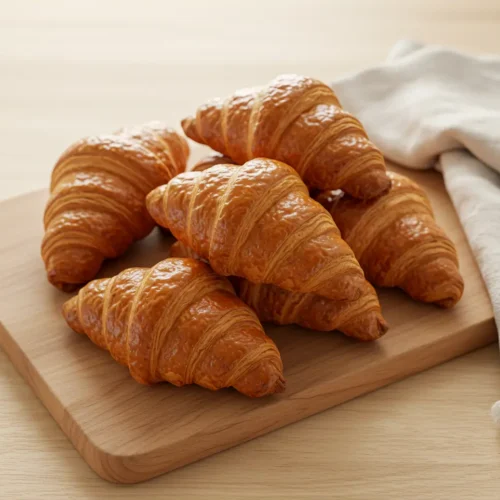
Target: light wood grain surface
72	68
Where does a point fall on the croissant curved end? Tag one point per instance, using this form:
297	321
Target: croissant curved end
370	327
154	203
54	279
189	126
452	294
370	184
437	281
264	380
70	314
71	266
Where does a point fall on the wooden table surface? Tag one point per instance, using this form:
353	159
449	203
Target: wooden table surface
69	69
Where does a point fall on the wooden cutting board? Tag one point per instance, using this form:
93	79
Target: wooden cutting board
128	433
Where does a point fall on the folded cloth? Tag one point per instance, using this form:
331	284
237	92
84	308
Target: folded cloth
428	106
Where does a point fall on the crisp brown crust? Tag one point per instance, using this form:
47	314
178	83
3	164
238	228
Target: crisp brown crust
96	208
361	318
178	322
258	222
299	121
398	243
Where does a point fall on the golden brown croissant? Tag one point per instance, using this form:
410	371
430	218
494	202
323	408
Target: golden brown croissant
299	121
258	222
178	322
361	318
398	242
210	161
96	208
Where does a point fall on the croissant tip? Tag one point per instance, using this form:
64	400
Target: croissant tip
456	294
378	330
69	308
70	314
187	124
372	184
438	282
449	302
54	279
371	327
280	385
383	327
446	303
155	202
385	185
265	380
277	387
186	121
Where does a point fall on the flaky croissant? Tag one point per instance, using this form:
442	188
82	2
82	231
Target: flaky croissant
258	222
96	208
210	161
398	243
361	318
178	322
299	121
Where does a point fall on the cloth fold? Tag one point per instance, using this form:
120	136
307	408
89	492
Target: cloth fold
432	107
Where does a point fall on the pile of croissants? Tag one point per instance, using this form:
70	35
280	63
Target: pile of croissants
291	220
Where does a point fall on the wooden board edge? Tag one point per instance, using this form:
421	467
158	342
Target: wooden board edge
128	469
93	455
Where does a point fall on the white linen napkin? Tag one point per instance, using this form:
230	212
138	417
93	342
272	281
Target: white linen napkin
429	106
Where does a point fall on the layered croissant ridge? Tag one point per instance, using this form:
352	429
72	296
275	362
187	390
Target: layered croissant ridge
299	121
258	222
361	318
398	242
96	208
178	322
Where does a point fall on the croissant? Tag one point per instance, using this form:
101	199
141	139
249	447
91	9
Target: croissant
398	243
258	222
96	208
299	121
178	322
361	318
210	161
